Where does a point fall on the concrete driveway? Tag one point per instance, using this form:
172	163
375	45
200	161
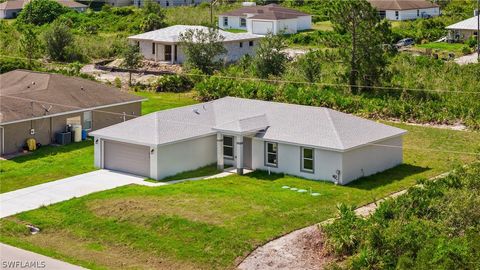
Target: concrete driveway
15	258
61	190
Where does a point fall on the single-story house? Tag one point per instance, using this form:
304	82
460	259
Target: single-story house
171	3
402	10
11	9
38	105
164	44
311	142
461	31
261	20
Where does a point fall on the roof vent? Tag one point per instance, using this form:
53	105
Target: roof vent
196	111
33	83
81	88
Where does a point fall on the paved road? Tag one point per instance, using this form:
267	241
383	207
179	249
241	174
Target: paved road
61	190
15	258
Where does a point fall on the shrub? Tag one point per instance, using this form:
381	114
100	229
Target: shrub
59	43
40	12
9	64
172	83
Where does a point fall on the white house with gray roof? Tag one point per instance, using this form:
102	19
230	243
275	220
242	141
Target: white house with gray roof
164	44
311	142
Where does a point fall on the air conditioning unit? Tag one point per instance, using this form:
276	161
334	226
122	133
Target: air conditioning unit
63	138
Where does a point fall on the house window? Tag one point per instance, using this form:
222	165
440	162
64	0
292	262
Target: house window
241	44
396	14
87	120
250	43
271	154
307	160
153	48
225	21
168	4
243	22
228	147
418	12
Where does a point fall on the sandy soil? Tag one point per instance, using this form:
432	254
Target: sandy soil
467	59
301	249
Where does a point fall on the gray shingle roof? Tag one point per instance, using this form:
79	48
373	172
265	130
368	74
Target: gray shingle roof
268	12
401	4
468	24
171	34
304	125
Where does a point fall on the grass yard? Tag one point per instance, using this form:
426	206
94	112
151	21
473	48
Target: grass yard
212	224
443	46
324	26
51	163
203	171
163	101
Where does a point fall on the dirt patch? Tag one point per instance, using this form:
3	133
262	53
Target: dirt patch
215	211
110	256
301	249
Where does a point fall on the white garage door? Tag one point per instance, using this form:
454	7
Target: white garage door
262	28
125	157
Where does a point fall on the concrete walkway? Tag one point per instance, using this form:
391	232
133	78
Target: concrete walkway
61	190
15	258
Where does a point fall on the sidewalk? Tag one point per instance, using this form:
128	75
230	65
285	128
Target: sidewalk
15	258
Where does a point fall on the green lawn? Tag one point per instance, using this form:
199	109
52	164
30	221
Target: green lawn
203	171
324	26
212	224
163	101
443	46
51	163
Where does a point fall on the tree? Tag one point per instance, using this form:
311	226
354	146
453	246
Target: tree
203	49
365	54
39	12
131	59
59	42
310	66
154	16
29	43
270	59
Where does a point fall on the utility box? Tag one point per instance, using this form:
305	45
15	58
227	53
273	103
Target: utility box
63	138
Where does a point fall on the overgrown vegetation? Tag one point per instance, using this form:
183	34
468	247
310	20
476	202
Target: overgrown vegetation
435	225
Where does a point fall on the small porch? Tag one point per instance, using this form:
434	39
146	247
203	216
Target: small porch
234	143
166	53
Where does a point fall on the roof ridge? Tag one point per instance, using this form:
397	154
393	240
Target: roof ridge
327	111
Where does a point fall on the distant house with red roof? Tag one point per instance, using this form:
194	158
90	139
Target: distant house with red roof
261	20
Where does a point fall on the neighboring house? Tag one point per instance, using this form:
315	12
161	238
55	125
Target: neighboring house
461	31
163	44
38	105
11	9
401	10
171	3
261	20
311	142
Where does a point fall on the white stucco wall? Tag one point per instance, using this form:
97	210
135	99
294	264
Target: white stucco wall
411	14
371	159
9	14
120	3
288	26
304	23
186	156
233	22
289	161
145	48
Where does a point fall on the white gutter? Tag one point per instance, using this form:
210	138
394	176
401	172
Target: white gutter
70	112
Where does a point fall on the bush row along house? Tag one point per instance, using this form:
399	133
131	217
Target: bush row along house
39	105
163	45
11	9
311	142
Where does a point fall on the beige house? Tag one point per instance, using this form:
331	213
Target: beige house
11	9
39	105
163	45
463	30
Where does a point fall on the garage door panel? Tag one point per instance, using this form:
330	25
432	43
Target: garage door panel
262	28
129	158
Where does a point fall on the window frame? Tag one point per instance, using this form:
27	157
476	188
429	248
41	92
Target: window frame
225	21
232	146
153	48
303	158
243	22
241	44
90	120
266	153
250	43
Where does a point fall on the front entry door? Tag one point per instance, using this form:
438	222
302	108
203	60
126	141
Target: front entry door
247	153
168	52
